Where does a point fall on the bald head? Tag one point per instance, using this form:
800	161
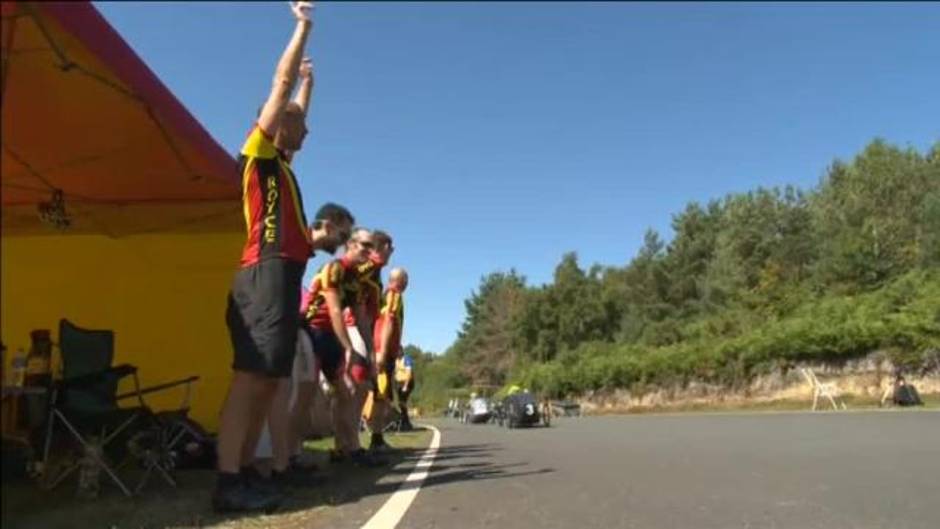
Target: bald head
399	278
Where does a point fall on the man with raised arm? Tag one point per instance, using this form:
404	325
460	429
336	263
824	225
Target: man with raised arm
262	305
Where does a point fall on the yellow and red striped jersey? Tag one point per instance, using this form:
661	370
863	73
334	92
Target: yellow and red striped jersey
338	275
370	286
274	212
392	313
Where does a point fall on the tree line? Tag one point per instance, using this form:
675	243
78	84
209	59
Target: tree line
749	283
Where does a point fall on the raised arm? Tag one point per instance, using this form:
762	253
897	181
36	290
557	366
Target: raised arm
302	98
285	77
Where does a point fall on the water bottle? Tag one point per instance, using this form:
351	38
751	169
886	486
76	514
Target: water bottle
89	473
19	368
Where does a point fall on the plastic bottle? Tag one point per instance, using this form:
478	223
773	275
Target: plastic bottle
89	473
38	374
19	368
38	363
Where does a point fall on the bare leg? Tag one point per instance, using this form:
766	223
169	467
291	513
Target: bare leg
239	414
338	405
346	418
380	405
279	423
300	421
355	417
258	417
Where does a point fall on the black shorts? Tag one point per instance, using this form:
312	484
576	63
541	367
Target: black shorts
329	351
403	394
262	316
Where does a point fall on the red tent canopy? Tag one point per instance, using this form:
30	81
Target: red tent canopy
83	114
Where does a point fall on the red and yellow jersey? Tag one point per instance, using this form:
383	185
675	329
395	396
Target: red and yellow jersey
274	212
392	313
370	287
337	275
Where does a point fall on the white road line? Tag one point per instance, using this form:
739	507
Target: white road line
395	508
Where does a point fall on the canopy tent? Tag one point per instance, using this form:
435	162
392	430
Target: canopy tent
141	220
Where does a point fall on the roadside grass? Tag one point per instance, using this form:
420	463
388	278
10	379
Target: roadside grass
852	402
188	506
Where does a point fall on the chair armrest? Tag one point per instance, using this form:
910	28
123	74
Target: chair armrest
90	379
158	387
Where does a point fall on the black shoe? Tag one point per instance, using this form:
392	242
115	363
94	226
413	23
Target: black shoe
337	456
295	478
378	445
255	481
362	458
303	463
242	497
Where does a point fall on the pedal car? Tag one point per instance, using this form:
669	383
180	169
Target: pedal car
521	409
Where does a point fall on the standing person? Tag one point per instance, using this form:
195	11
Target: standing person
388	332
281	439
334	289
262	304
405	378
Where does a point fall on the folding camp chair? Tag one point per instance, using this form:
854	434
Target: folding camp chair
85	403
822	389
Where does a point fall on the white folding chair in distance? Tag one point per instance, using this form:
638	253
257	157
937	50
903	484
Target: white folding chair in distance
823	389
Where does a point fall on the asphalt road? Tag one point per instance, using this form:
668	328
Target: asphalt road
785	470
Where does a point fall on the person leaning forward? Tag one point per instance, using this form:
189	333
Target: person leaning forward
333	290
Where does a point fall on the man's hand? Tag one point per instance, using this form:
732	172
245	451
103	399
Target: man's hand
306	69
347	370
303	11
349	383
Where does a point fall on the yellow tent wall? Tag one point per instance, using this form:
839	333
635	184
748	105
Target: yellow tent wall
164	295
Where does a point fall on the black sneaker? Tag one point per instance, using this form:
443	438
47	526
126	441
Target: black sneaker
378	445
296	479
254	480
243	498
300	462
337	456
363	458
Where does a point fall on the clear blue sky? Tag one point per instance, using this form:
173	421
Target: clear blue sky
486	136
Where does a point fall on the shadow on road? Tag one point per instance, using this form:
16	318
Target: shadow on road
188	505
